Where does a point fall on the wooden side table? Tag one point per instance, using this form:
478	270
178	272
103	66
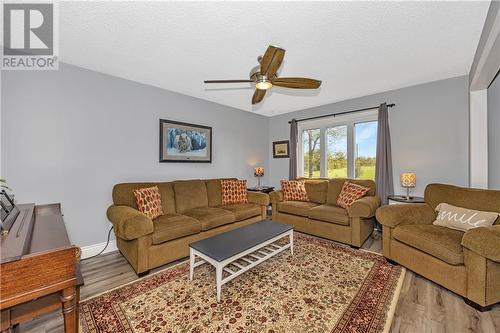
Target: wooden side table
401	199
263	189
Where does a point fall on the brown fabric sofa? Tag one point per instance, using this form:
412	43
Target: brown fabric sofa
322	217
192	211
466	263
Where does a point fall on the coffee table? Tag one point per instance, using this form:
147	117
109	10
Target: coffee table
239	250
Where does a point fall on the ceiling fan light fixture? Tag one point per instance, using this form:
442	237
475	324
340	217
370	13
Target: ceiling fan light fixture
265	75
263	84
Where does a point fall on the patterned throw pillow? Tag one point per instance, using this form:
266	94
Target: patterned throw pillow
294	190
234	191
149	201
350	192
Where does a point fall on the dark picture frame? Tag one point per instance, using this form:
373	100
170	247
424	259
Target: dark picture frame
281	149
184	142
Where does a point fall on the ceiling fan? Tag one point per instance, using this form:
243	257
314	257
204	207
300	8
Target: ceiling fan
264	76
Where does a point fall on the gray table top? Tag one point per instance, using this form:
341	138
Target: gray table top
223	246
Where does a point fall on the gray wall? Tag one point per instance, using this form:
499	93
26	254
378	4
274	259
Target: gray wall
68	136
429	131
494	134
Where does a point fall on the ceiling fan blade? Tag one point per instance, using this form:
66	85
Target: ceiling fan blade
271	61
227	81
258	96
296	82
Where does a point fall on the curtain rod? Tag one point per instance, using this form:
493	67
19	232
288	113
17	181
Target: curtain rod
341	113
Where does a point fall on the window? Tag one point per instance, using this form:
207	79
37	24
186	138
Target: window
365	137
339	147
336	138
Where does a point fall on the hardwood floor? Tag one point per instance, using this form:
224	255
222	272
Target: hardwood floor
423	306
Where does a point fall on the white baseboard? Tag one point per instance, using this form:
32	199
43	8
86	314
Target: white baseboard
92	250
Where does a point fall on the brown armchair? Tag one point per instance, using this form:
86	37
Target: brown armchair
466	263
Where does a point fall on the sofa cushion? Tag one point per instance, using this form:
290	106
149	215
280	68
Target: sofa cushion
335	186
300	208
350	192
148	201
190	194
210	217
243	211
172	226
294	190
234	191
329	213
471	198
316	190
463	219
440	242
214	191
123	195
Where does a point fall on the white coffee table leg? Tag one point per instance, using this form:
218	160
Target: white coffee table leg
191	264
218	277
291	242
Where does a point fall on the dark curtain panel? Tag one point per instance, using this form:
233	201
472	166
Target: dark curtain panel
293	149
383	176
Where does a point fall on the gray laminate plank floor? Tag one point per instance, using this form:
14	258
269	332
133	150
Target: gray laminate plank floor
423	306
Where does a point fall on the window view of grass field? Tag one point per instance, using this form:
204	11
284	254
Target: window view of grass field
336	138
365	139
365	143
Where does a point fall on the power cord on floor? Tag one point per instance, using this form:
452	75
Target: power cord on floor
107	243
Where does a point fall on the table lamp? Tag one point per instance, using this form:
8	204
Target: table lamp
258	172
408	180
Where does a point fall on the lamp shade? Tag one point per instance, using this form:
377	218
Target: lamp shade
408	179
258	171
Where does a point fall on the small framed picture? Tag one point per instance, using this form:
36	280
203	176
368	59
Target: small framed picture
183	142
281	149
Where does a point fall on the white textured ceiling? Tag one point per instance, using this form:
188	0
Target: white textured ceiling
355	48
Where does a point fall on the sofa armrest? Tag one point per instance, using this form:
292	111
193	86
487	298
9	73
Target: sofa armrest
364	207
393	215
276	196
484	241
258	198
129	223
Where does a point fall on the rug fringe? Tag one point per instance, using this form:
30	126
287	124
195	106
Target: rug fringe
394	303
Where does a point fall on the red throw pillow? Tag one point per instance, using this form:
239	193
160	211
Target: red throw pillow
294	190
149	201
350	192
234	191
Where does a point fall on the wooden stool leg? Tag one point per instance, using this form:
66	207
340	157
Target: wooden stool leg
68	300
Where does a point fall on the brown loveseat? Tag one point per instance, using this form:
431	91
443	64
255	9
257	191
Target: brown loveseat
192	211
466	263
322	217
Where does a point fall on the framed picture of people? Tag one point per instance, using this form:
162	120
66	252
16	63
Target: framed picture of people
184	142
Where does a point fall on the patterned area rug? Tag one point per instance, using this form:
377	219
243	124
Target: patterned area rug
323	287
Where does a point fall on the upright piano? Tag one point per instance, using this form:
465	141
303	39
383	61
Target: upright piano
39	270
